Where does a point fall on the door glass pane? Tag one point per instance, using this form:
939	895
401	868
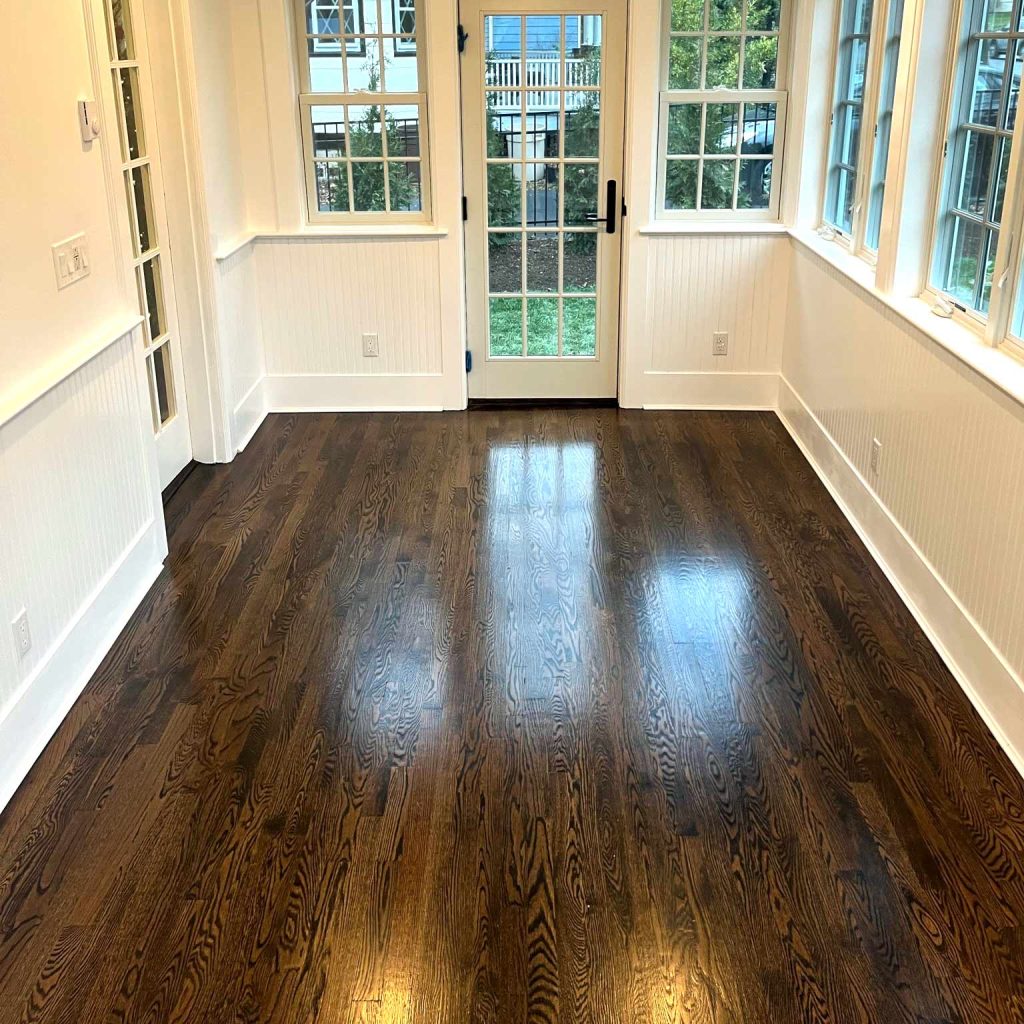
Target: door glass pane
132	143
151	298
579	327
579	262
582	124
164	382
542	327
543	125
140	184
505	262
506	327
580	193
119	26
504	196
542	261
541	182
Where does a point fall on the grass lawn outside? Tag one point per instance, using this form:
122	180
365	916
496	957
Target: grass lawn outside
579	326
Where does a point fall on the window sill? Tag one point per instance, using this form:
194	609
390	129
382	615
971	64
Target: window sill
713	227
355	233
998	366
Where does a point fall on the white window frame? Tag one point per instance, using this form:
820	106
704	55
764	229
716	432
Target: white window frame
995	325
306	45
854	239
672	97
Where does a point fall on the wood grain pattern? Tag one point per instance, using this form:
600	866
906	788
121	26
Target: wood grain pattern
539	716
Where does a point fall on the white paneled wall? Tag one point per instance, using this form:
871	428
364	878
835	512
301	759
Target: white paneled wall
241	340
697	285
951	472
319	297
82	539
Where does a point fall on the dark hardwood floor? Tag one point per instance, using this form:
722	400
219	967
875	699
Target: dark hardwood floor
516	716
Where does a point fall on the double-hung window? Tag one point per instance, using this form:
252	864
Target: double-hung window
969	230
867	56
363	109
723	105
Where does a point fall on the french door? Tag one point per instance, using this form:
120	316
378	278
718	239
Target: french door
127	43
543	86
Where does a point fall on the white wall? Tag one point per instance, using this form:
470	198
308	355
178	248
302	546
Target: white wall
52	186
308	293
81	530
229	113
944	512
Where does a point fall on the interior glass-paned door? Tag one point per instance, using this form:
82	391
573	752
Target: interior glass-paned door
140	168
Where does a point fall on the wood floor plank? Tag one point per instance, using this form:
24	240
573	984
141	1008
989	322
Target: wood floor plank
557	716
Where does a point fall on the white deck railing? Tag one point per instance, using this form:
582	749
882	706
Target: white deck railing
540	74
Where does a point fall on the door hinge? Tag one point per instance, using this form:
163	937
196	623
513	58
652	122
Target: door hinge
469	362
945	149
465	208
463	37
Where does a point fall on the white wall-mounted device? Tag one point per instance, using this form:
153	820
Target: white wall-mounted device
89	120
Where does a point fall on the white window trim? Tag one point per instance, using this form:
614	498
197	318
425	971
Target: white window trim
668	97
993	329
308	99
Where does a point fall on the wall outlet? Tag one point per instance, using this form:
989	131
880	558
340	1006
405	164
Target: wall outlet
720	343
70	260
876	455
22	636
371	346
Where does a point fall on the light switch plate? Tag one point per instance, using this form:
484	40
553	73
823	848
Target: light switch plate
71	260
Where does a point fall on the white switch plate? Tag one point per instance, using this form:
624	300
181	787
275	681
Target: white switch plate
22	636
371	346
720	344
71	260
876	455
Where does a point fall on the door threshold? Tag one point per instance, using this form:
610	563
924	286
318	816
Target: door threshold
543	403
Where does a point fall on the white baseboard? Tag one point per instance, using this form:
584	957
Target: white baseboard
735	391
249	414
355	392
992	685
47	695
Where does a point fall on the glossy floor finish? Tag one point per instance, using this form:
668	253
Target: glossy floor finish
576	716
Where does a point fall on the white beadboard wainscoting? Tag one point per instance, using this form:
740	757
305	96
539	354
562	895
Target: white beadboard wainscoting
319	296
687	287
943	515
82	540
241	334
